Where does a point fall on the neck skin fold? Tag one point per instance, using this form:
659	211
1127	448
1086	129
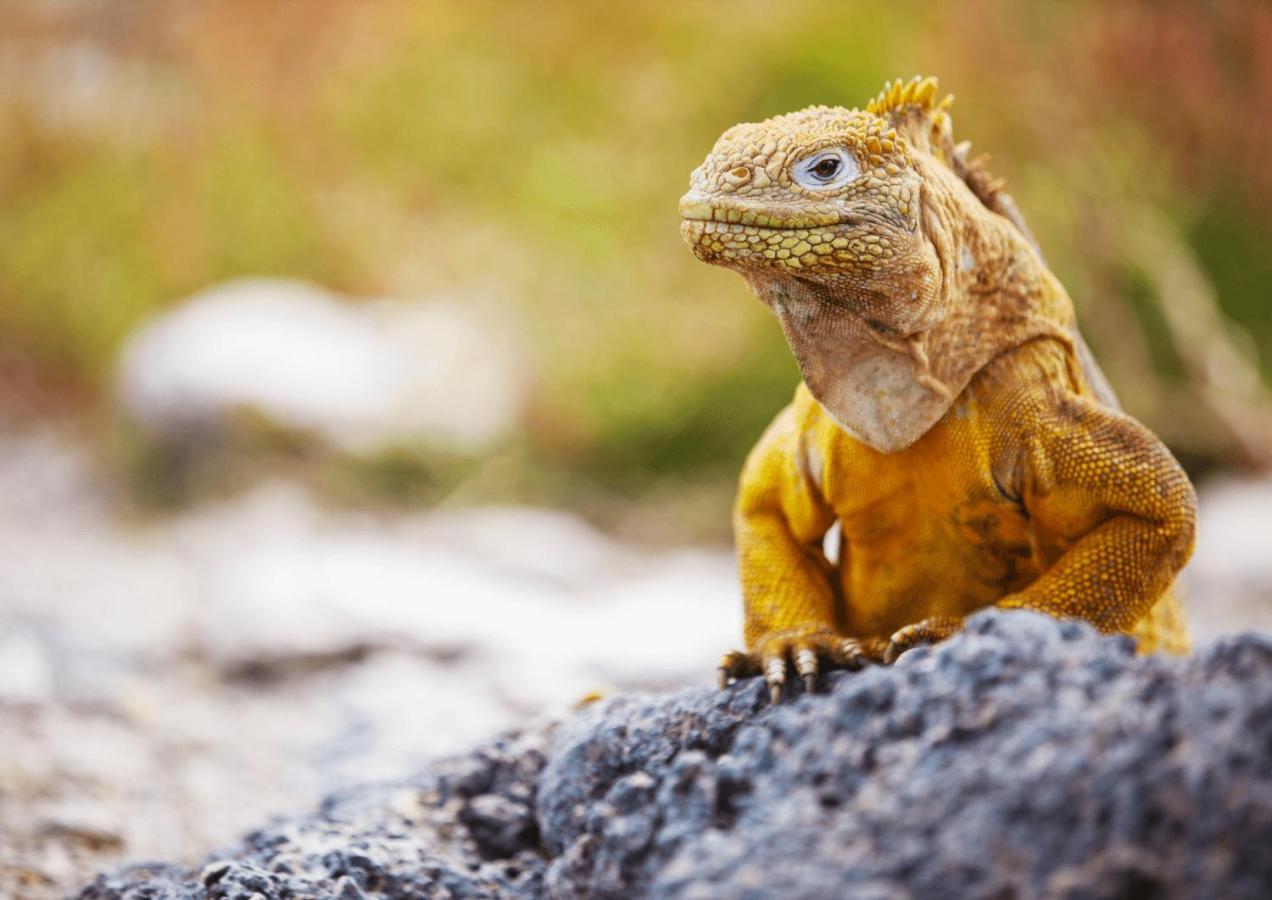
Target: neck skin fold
888	379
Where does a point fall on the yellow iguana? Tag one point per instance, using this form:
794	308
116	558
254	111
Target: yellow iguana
950	419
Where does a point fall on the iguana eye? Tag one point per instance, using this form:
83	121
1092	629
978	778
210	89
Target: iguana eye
826	168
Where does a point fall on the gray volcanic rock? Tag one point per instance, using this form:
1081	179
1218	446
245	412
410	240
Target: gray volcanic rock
1027	757
465	829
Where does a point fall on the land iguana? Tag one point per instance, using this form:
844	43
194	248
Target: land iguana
950	419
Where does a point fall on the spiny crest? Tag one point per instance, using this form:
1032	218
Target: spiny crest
917	92
912	107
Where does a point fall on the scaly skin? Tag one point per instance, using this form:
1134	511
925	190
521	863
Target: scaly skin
950	420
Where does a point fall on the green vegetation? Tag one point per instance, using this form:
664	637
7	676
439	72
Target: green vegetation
537	155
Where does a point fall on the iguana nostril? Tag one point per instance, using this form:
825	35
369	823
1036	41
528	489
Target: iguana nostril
738	176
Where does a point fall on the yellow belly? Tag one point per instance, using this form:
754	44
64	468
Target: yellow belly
929	531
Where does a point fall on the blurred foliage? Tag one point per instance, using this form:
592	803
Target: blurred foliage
1233	246
535	153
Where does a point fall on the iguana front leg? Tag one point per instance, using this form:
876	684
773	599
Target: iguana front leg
1100	479
1108	487
789	596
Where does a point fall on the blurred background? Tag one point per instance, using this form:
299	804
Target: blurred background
358	397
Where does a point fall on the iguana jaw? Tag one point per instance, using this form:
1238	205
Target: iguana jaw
782	238
745	247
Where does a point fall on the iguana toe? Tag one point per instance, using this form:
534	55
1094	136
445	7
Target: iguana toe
734	665
850	654
806	666
775	676
928	631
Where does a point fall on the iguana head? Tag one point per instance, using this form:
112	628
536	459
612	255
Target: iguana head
863	230
830	196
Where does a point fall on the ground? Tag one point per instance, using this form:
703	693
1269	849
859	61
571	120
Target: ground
1027	757
167	684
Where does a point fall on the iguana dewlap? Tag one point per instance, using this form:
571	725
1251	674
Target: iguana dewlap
950	419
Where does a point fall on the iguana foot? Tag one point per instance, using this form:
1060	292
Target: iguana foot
928	631
810	651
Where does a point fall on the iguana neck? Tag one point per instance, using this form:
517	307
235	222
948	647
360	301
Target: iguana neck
987	264
887	387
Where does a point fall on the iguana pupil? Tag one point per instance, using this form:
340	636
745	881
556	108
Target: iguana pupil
827	168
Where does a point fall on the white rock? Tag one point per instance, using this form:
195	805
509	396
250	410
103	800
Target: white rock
26	676
362	376
584	611
1230	575
1234	533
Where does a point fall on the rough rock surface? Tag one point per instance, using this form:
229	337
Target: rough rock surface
1026	757
168	683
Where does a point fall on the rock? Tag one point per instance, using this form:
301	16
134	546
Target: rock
401	840
295	582
186	677
361	377
1026	757
26	675
1231	567
249	656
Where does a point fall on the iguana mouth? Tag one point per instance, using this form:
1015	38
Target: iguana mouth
699	208
721	226
727	216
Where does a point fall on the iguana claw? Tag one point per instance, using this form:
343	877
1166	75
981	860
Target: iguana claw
775	675
806	666
808	652
734	665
